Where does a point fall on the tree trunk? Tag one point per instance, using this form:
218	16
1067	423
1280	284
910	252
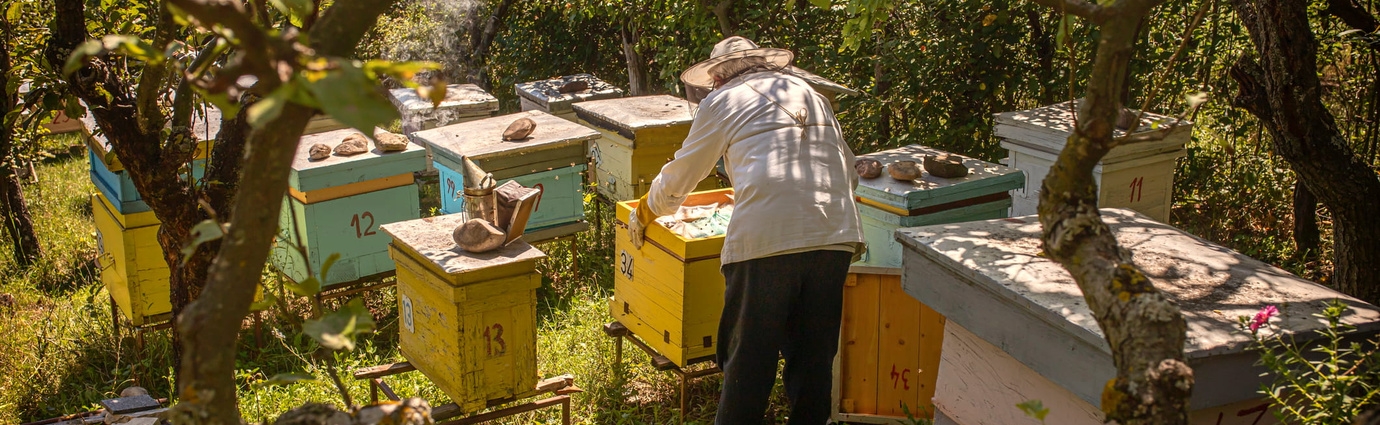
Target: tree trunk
1284	93
638	85
210	325
1043	47
1306	234
1144	329
723	12
18	223
480	41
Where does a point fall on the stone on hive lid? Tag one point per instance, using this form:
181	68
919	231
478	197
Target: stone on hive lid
547	94
519	129
431	238
353	144
335	170
482	140
390	142
989	277
985	178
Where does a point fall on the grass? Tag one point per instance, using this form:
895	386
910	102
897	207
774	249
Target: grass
61	356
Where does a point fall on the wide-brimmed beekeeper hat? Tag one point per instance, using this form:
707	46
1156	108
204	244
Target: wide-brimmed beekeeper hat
729	49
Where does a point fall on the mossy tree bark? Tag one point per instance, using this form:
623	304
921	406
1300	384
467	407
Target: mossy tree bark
210	325
130	117
1144	328
1279	85
17	221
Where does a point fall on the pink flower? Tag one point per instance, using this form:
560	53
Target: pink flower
1263	316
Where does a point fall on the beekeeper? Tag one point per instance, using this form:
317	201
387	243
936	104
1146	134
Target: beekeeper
793	232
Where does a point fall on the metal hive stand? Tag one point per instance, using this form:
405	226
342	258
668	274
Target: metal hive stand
619	332
562	386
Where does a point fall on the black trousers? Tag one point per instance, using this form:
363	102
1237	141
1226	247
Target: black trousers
788	304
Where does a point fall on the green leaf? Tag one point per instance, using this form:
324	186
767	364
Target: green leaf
268	108
822	4
203	232
402	71
221	100
1034	408
1065	27
326	266
309	287
284	379
295	10
338	329
73	107
79	55
348	95
15	11
264	304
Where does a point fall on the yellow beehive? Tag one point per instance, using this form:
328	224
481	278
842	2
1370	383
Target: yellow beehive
468	320
131	261
889	349
638	136
670	293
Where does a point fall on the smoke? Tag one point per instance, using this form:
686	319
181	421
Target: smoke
426	30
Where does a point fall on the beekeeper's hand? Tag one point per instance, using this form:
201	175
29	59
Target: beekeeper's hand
638	220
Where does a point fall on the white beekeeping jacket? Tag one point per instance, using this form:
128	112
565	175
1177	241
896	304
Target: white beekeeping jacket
792	173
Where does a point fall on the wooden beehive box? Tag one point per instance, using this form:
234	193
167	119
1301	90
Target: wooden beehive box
337	204
544	95
552	159
640	134
131	261
463	102
1018	327
670	293
110	177
1138	176
887	204
468	321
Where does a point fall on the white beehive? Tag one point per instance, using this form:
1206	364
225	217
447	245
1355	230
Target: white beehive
1138	176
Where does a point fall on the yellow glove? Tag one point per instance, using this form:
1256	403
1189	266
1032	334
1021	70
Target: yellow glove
638	221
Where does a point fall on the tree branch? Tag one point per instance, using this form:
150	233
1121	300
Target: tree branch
1355	15
1080	8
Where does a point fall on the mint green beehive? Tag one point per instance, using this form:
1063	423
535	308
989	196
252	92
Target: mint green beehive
336	205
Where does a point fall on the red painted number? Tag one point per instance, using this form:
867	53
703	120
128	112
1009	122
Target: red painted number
1259	412
1137	187
493	336
899	379
367	230
537	206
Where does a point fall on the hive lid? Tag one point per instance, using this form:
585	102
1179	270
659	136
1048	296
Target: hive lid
483	139
629	115
1048	128
338	170
431	238
984	179
1212	285
545	92
464	99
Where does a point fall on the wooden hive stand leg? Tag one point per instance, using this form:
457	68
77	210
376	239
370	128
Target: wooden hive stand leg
684	395
114	319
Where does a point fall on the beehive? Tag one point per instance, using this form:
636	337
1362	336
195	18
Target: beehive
337	204
888	350
640	134
1138	176
544	95
1019	328
463	102
131	261
887	204
468	321
552	159
670	293
110	177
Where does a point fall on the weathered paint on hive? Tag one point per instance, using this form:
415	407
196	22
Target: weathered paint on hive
641	120
336	170
1049	127
348	226
989	278
110	177
463	102
554	144
889	350
543	95
468	321
670	292
1144	183
561	201
131	261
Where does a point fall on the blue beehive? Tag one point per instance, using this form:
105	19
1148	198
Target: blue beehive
552	158
336	205
109	175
